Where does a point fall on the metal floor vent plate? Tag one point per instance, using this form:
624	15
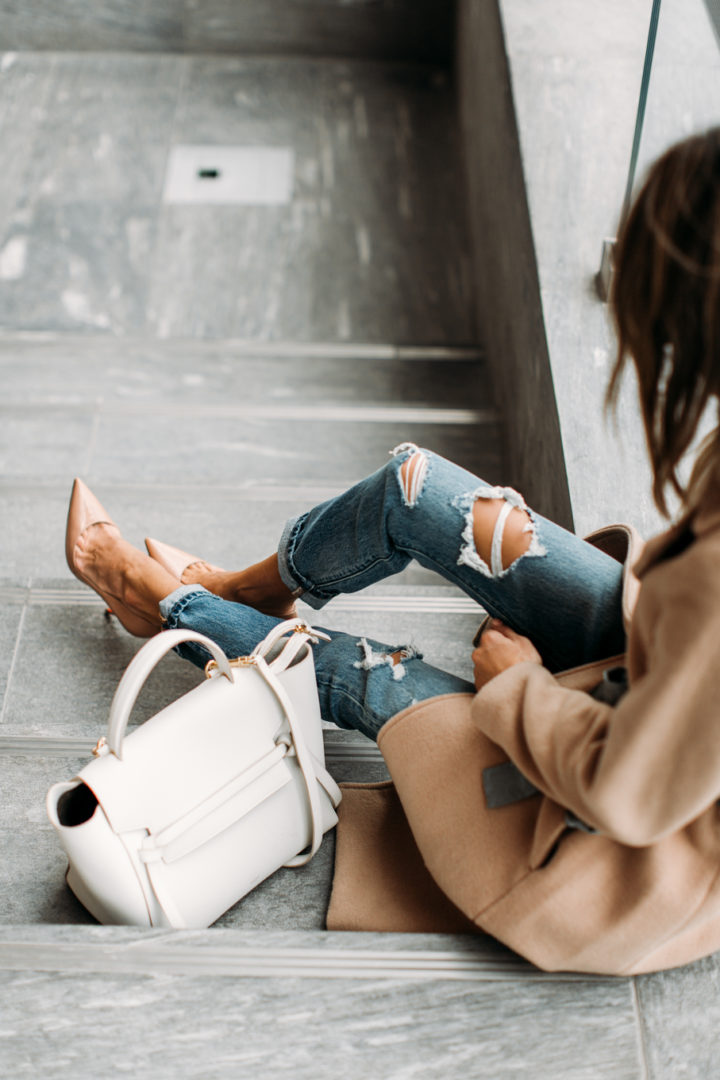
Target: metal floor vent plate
229	175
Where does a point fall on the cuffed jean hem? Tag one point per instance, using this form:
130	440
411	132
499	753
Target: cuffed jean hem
183	592
287	574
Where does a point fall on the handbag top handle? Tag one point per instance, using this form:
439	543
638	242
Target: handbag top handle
303	633
153	651
138	670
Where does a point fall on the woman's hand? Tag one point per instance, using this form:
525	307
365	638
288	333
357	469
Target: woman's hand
500	648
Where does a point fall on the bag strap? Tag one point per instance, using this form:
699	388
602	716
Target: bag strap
139	669
313	773
305	761
278	631
301	634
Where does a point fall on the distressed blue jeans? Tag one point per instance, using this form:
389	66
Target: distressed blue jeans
563	594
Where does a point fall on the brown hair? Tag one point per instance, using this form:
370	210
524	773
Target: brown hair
666	307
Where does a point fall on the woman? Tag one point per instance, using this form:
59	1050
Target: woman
582	834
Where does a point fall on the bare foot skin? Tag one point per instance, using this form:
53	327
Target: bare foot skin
259	586
122	572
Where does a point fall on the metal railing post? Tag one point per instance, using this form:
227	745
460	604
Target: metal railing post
604	276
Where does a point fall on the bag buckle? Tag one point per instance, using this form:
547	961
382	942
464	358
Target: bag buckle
312	633
239	661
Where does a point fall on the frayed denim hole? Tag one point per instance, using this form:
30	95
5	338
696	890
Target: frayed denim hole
469	555
412	488
408	448
386	658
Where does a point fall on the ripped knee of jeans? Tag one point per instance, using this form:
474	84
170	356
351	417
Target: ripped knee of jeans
413	471
499	531
393	659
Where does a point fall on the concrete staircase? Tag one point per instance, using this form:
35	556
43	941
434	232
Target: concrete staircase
211	370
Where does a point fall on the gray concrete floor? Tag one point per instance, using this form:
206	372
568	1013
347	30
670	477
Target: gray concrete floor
169	355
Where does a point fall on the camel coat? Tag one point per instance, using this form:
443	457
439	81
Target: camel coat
640	892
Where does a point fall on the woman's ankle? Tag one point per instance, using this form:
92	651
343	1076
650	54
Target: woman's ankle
260	586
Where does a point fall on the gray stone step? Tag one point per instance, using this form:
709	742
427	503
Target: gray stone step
388	29
136	375
372	243
221	417
222	441
231	1003
173	449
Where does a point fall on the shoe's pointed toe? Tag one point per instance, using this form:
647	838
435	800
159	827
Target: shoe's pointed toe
84	510
173	559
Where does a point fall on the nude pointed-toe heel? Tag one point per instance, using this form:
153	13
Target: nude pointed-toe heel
85	510
173	559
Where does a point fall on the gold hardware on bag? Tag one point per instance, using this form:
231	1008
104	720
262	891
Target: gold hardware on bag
99	747
238	661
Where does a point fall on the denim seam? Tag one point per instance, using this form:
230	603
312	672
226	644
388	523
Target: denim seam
288	554
307	586
284	567
319	590
360	703
329	683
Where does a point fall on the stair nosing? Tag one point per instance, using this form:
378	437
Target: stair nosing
408	601
317	414
261	349
71	745
263	961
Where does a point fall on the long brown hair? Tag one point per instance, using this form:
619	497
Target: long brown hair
666	307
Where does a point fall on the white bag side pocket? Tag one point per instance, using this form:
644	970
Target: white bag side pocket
96	854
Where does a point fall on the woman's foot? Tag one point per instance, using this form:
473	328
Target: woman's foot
259	586
129	582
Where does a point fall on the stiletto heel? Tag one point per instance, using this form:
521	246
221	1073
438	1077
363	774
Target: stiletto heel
84	511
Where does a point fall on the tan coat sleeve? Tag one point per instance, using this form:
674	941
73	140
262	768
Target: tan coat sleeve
649	766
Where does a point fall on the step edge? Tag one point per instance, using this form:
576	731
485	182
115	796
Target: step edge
135	958
71	745
39	596
245	348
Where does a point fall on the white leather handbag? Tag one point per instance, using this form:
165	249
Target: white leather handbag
173	823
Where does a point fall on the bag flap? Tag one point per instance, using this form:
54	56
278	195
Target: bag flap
187	752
